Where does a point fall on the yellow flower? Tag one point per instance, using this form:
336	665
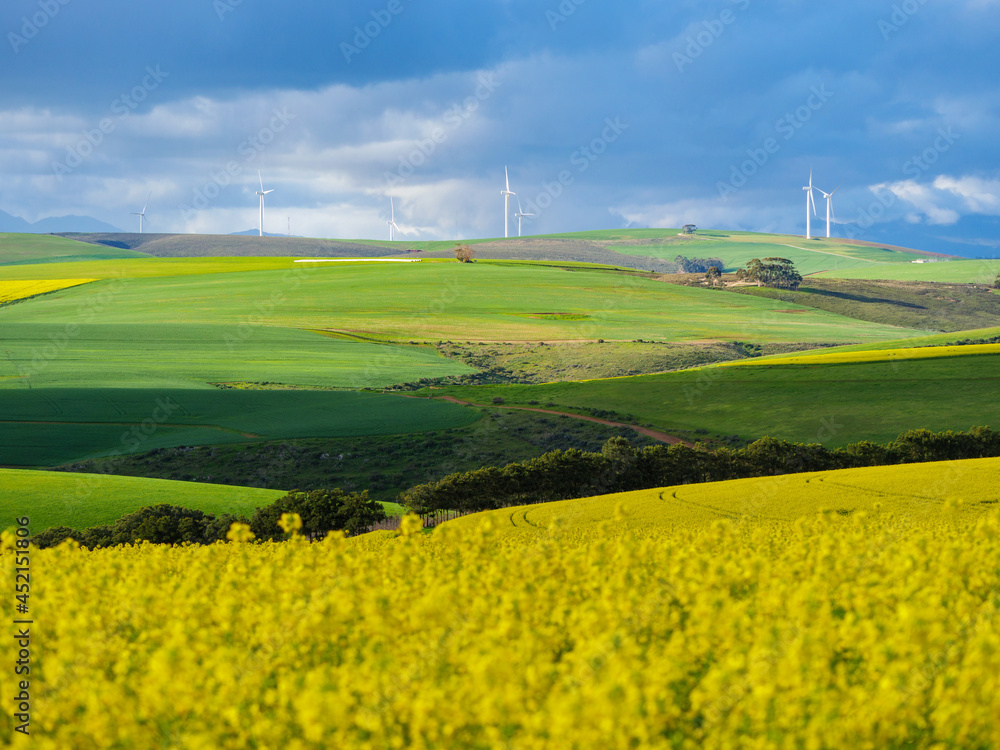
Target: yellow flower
240	532
410	525
290	523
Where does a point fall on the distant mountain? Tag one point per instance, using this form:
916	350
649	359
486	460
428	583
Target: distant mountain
54	224
256	233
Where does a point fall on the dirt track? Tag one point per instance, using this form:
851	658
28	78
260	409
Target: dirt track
661	436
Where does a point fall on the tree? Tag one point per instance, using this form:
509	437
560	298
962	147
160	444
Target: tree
321	511
689	229
464	253
996	284
779	273
713	274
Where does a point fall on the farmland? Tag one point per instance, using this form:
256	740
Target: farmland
43	248
160	355
832	404
451	301
13	291
81	501
84	500
693	617
955	271
50	426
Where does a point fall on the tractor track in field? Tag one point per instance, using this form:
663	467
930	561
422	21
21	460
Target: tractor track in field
661	436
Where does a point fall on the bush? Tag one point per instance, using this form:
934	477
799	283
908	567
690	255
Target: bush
321	511
498	400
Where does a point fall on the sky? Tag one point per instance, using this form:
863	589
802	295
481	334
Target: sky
607	115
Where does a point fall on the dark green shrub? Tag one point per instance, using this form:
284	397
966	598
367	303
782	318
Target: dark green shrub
320	510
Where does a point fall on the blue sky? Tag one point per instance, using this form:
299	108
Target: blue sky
608	115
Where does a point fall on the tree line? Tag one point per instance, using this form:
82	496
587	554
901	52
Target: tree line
320	510
618	467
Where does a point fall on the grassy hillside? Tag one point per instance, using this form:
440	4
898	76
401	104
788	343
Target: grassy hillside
909	304
84	500
953	271
51	426
832	404
47	248
81	501
735	249
452	301
195	355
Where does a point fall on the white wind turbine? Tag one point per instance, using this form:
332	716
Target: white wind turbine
392	221
829	206
262	192
810	202
520	215
142	214
506	203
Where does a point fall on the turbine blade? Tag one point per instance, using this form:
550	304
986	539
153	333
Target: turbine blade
838	187
147	202
261	179
507	175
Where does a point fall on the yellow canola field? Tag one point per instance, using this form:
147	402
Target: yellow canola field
874	355
12	290
637	622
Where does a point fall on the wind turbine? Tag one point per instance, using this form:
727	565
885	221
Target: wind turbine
829	206
142	214
506	203
392	221
810	201
262	192
520	215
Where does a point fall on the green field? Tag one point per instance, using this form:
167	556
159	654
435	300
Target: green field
46	248
81	501
953	271
450	301
194	355
832	404
84	500
52	426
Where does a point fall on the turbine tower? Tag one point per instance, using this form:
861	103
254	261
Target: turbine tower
506	203
810	201
262	192
392	221
142	214
520	215
829	206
